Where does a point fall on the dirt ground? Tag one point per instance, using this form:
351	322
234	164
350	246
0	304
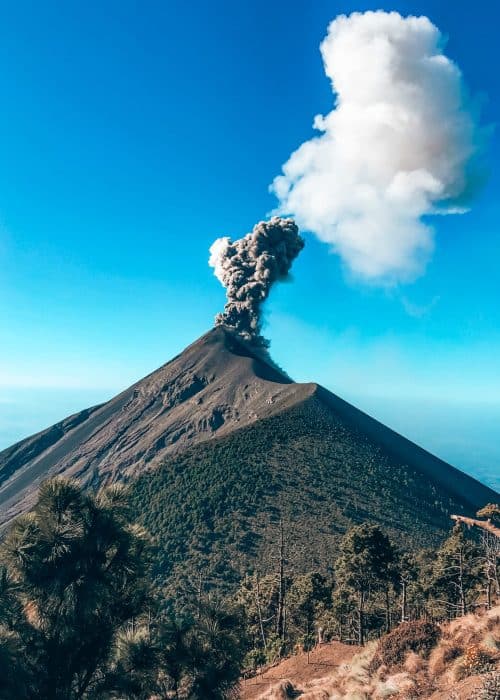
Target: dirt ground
463	690
322	661
299	669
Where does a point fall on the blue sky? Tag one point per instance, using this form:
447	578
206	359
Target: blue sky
133	134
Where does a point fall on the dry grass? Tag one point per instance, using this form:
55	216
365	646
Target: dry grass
281	691
413	663
468	648
442	655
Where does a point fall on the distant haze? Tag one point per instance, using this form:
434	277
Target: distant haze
460	432
465	434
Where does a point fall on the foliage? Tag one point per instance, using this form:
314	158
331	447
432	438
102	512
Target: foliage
418	636
456	573
309	596
75	584
366	562
79	570
214	510
374	586
257	598
14	679
365	559
78	620
201	658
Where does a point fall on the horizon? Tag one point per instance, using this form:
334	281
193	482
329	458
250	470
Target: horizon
132	139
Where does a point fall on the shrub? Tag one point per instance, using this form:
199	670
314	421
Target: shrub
419	636
413	663
490	689
476	659
442	655
254	659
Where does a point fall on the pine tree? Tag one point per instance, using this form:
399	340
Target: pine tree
79	569
308	597
456	573
365	564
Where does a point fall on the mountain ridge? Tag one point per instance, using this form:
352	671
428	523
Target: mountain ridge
218	385
215	508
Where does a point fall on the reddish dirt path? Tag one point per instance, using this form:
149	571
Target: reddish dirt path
322	661
462	690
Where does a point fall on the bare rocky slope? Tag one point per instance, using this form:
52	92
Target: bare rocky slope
217	386
214	387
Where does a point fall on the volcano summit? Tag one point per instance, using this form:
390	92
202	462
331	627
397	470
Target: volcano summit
221	436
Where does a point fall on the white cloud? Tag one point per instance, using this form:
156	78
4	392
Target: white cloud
397	146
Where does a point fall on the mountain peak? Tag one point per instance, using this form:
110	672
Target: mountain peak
216	385
222	345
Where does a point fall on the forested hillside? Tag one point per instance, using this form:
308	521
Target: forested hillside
215	509
76	586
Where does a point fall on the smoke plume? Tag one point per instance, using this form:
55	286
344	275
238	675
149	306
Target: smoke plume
398	145
249	267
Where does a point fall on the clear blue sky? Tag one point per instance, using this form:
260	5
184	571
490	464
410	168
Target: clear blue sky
133	134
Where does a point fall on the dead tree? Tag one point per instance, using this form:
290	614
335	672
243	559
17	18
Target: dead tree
280	617
472	522
259	611
490	545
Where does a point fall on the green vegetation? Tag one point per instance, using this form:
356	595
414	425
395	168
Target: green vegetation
82	618
366	563
374	588
78	617
214	510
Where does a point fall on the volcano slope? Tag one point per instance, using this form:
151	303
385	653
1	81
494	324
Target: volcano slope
212	388
219	445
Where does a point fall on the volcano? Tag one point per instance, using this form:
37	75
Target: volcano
220	429
217	385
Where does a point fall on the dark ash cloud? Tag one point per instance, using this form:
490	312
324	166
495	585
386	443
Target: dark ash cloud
249	267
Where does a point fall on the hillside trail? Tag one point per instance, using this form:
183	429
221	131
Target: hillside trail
299	669
322	662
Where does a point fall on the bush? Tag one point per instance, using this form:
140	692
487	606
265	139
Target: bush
419	636
442	656
490	690
476	660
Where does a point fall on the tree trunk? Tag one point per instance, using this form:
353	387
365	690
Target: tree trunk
404	615
281	585
361	618
259	613
461	589
387	611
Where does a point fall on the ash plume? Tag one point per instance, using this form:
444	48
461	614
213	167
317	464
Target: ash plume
248	268
400	144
